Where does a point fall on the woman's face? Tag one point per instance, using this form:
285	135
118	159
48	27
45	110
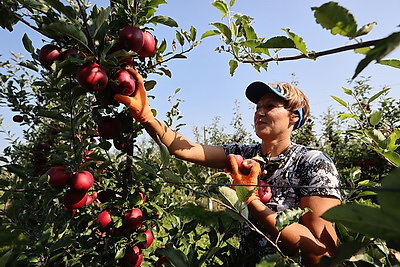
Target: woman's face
271	119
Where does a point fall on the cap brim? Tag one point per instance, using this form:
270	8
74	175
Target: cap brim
256	90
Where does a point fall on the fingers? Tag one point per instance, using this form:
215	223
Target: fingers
124	99
255	170
233	163
136	75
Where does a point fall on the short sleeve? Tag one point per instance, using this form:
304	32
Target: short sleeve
246	151
318	175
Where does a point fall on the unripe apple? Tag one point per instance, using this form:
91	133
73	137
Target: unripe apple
264	191
149	45
109	127
104	220
81	181
133	257
58	176
18	118
92	77
131	38
133	218
123	82
239	159
74	199
48	54
149	239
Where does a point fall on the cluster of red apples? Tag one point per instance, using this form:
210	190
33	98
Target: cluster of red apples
79	184
132	221
264	190
91	75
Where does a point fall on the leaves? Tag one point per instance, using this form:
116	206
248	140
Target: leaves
340	101
289	216
221	6
336	18
163	20
224	30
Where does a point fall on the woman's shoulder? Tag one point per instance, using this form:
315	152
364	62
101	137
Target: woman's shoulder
245	150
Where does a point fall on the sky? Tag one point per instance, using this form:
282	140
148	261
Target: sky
207	88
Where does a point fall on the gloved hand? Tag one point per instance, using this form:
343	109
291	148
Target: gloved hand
138	104
250	180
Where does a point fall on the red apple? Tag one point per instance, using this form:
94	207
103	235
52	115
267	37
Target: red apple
133	218
18	118
264	191
109	127
131	38
246	166
92	77
74	199
72	51
239	159
91	198
133	257
122	82
104	220
119	144
149	45
149	239
81	181
48	54
161	261
59	176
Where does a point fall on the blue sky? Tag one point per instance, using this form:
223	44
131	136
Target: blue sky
206	86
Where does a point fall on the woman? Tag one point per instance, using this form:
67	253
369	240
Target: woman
280	110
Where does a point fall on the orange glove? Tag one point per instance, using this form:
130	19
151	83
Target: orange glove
250	180
138	104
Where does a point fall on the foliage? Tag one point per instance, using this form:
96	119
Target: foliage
194	221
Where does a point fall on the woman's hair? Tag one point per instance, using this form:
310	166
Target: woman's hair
295	99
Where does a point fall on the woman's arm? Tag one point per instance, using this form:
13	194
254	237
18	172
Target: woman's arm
314	236
181	147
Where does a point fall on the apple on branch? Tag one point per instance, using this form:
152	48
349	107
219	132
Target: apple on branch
48	54
131	38
81	181
58	176
133	218
92	77
122	82
149	45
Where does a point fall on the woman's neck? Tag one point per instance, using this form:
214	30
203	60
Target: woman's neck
275	147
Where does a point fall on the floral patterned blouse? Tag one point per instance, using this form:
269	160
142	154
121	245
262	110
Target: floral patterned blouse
310	171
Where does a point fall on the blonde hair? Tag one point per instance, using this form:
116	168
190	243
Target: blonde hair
295	99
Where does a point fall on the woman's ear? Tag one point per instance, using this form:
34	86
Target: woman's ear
294	118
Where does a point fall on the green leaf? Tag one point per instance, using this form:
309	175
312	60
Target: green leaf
233	64
175	256
229	194
52	114
377	95
298	41
165	156
391	141
367	28
17	170
150	85
340	101
365	219
250	33
375	117
347	91
392	156
345	251
278	42
377	136
180	38
243	193
68	11
28	43
62	243
389	199
223	29
60	29
382	48
395	63
210	33
289	216
101	18
343	116
193	33
221	6
164	20
335	18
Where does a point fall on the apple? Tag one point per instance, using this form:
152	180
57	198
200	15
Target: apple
58	176
81	181
109	127
132	257
18	118
133	218
74	199
48	54
104	220
92	77
149	45
131	38
246	166
161	261
71	51
122	82
149	239
91	198
264	191
239	159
